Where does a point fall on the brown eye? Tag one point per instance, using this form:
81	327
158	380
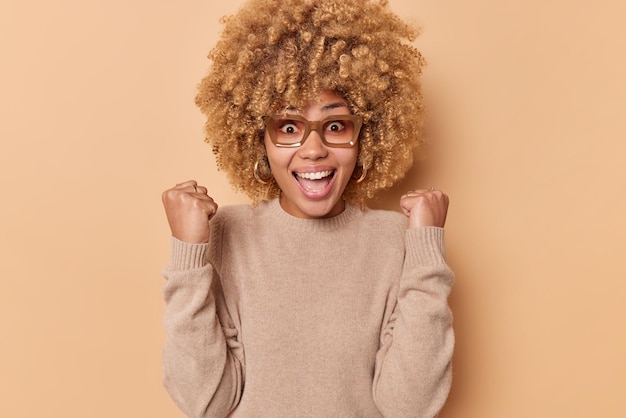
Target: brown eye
288	127
335	126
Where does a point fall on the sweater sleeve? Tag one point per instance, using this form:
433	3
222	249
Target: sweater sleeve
413	365
202	359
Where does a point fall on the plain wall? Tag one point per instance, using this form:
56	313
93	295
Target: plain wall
527	138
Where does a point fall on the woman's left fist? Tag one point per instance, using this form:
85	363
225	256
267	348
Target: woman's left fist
425	207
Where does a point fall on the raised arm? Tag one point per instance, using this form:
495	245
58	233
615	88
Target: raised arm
202	358
413	365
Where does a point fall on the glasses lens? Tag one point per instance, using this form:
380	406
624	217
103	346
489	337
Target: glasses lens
291	130
338	130
284	130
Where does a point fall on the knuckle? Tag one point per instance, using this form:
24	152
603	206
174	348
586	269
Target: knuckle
167	195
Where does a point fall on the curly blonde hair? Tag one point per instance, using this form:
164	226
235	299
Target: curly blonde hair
274	52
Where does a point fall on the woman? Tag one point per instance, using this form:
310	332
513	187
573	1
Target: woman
307	303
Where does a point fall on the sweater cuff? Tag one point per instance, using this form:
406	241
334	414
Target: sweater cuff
186	256
425	246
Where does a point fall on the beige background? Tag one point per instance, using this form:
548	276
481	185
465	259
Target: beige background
528	140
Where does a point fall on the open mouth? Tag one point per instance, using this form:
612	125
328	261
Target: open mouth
314	182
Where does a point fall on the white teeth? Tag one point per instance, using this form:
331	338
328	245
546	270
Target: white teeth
315	176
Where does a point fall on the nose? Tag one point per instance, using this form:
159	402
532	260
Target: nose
313	148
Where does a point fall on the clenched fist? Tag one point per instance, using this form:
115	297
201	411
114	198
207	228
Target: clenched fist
425	207
189	209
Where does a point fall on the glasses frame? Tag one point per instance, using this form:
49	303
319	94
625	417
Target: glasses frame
315	125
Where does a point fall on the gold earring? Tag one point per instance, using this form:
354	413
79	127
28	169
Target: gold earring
263	171
363	175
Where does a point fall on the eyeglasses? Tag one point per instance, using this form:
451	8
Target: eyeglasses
339	131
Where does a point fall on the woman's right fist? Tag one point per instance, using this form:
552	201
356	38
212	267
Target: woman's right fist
189	209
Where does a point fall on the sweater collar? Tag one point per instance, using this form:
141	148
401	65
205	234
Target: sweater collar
278	214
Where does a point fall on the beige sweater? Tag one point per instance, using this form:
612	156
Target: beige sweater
286	317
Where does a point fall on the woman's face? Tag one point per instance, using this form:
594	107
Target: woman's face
313	176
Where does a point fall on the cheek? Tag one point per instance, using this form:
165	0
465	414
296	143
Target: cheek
349	158
279	158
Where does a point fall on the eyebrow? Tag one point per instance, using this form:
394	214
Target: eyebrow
335	105
325	108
